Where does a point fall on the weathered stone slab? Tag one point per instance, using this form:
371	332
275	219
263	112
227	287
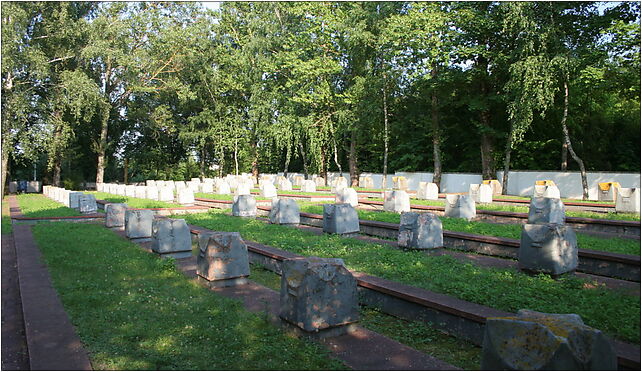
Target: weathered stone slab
628	200
298	180
347	195
338	183
141	192
115	214
120	190
460	206
13	187
481	193
366	182
396	201
428	191
130	190
308	186
207	187
33	186
268	190
284	184
151	192
284	211
166	194
546	191
547	248
87	204
242	188
185	197
546	210
151	183
340	219
318	293
223	188
138	223
495	185
319	181
74	199
244	206
420	231
541	342
400	183
171	237
180	185
607	191
222	257
192	185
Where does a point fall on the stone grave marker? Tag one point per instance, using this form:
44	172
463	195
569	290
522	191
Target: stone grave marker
366	182
284	184
607	191
193	186
222	260
130	191
141	192
494	185
207	187
546	210
242	188
284	212
223	188
87	204
180	185
400	183
244	206
150	183
628	200
481	193
340	219
13	187
428	191
539	342
185	197
396	201
347	195
308	186
120	189
338	184
166	194
138	223
547	248
298	180
268	190
460	206
74	199
319	181
171	238
33	186
420	231
318	294
151	192
115	214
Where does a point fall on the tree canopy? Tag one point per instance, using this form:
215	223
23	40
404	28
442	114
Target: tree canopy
103	91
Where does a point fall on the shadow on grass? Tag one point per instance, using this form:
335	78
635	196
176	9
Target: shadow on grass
135	311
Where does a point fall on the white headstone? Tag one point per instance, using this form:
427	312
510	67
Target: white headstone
347	195
185	197
428	191
628	200
481	193
308	186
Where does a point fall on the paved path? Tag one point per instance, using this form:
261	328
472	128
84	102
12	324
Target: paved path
51	339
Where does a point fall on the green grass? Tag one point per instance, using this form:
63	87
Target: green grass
6	227
134	202
38	205
134	311
415	334
513	231
612	311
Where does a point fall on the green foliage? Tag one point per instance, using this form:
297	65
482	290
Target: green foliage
611	311
135	311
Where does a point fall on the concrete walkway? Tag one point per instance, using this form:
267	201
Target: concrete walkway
51	339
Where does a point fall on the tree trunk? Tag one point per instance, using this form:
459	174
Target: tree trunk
202	163
488	167
236	157
287	162
305	165
336	158
125	170
352	160
486	145
57	170
564	155
255	160
436	178
509	147
324	168
102	146
385	133
567	139
5	168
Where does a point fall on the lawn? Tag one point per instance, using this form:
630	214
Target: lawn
417	334
612	311
513	231
134	202
38	205
6	218
134	311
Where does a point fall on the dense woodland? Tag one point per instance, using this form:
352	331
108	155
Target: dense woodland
103	91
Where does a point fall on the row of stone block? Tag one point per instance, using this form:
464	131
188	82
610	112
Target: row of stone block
24	186
84	203
182	196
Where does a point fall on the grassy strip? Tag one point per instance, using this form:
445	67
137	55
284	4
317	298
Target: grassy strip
513	231
134	202
612	311
6	227
302	193
417	334
38	205
134	311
